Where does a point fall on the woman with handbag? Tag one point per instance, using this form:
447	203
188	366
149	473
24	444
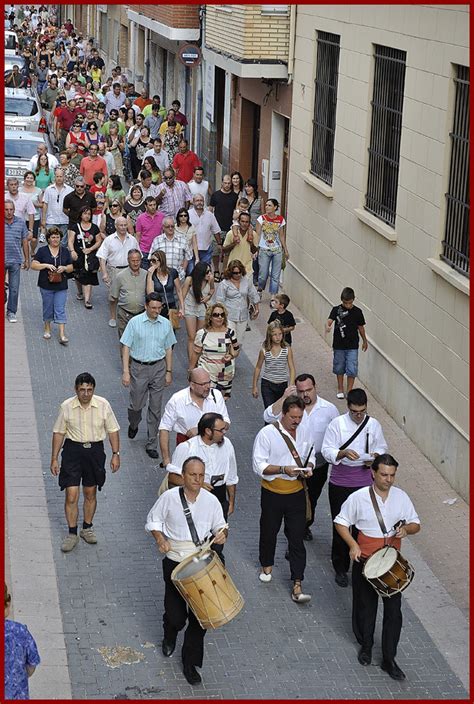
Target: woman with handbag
198	290
53	262
165	282
83	241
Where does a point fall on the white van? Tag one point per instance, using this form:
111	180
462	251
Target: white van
11	43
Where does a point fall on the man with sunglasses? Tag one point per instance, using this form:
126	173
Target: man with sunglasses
53	203
350	443
172	195
91	164
186	407
78	199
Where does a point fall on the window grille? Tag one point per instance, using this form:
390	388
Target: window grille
385	133
456	235
325	99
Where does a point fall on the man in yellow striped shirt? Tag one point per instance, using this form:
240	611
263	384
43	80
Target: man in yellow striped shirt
83	422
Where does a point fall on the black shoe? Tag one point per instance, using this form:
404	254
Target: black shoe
392	669
167	647
152	453
307	534
364	656
132	432
341	579
191	674
287	554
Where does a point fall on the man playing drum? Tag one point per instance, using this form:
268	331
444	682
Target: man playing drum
400	519
167	523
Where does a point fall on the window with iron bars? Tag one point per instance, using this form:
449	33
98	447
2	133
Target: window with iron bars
385	133
325	99
456	233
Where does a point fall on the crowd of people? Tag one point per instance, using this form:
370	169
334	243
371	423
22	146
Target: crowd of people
126	204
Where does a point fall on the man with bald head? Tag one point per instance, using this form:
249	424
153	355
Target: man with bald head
206	226
186	407
113	257
174	245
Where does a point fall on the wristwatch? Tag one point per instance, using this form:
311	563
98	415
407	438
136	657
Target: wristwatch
116	453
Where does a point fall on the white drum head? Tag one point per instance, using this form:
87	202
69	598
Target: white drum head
192	568
380	562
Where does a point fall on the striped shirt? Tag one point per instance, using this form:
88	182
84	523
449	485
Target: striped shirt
148	339
89	424
176	249
276	368
174	197
15	233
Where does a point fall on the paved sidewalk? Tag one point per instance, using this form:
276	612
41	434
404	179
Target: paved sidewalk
110	595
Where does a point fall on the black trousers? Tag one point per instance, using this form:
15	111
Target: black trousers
315	486
364	613
340	550
292	509
175	616
220	492
271	391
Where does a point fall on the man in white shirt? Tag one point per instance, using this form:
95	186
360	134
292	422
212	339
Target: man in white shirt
53	199
350	443
167	523
218	455
113	256
318	413
24	208
398	519
185	408
42	149
283	494
206	225
159	155
198	185
114	98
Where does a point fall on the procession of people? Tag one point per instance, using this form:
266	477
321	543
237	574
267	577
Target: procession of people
137	224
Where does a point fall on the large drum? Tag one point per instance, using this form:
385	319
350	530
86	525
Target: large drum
388	571
204	583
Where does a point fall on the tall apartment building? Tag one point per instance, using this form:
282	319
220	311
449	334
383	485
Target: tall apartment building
379	201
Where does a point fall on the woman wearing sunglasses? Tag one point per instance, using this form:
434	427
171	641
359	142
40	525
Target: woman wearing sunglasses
238	293
215	349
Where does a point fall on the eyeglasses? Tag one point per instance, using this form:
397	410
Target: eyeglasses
115	205
220	430
169	178
358	413
218	315
237	271
202	383
183	215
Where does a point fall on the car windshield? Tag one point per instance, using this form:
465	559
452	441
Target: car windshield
10	41
20	148
20	106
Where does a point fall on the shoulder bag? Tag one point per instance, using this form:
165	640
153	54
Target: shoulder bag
55	277
172	312
299	462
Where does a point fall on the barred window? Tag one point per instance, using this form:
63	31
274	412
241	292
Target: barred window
325	98
385	133
456	235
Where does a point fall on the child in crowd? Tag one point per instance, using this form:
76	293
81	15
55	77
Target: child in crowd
98	190
114	190
281	302
276	357
350	323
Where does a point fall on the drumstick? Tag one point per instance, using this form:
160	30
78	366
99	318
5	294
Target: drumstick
205	546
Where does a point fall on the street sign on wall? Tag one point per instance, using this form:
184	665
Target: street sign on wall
190	55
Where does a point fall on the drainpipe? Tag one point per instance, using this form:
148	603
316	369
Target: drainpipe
291	49
147	59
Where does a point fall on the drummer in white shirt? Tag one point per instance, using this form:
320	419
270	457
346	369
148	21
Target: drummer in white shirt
168	525
350	468
358	510
185	408
218	455
318	413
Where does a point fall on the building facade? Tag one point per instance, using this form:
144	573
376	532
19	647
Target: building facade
379	201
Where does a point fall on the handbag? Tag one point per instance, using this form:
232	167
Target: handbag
91	261
55	277
172	313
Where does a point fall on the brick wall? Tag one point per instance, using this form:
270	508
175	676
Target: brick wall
254	36
178	16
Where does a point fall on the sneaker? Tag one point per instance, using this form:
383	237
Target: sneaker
88	535
11	317
69	542
42	238
340	394
112	323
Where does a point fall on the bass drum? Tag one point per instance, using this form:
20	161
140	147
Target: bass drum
388	571
206	586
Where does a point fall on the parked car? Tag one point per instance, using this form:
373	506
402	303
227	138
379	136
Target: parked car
11	43
20	146
23	110
12	59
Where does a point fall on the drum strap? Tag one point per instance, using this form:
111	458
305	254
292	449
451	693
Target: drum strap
357	432
189	518
377	511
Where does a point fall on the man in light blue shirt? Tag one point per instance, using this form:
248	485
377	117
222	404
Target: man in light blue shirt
147	358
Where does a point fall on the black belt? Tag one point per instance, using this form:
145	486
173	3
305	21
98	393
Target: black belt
85	444
119	267
147	363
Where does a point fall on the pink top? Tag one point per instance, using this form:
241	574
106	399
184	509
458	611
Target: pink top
148	228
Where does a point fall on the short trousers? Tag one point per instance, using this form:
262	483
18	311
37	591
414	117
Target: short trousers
217	248
345	362
78	462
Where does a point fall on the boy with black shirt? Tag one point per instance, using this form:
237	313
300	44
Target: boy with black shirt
284	316
350	323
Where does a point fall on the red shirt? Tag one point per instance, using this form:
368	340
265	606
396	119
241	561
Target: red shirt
184	165
89	166
142	102
66	117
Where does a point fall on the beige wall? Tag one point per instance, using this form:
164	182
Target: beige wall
243	32
417	321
